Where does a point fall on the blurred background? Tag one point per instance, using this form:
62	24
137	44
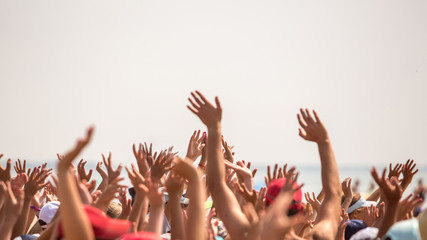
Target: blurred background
128	67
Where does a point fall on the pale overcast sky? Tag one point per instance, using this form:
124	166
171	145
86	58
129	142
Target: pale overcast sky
128	67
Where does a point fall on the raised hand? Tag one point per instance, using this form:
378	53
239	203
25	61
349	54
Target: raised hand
346	188
49	192
408	173
18	182
110	193
313	201
348	193
228	154
82	171
126	204
248	166
343	224
66	160
244	174
184	168
5	172
136	178
104	175
19	168
153	193
175	185
162	164
112	173
36	182
406	206
209	114
249	196
395	172
312	128
230	179
142	160
390	188
278	173
195	145
148	152
286	172
11	210
370	215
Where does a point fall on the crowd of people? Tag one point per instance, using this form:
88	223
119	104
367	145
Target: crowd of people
206	194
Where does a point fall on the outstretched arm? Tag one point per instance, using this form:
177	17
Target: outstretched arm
196	214
75	222
225	202
392	192
328	216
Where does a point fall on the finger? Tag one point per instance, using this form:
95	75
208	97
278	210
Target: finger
218	104
301	122
316	117
104	160
90	174
275	171
202	97
302	133
254	172
200	103
310	118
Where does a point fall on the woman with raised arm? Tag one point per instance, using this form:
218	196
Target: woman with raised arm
226	204
328	218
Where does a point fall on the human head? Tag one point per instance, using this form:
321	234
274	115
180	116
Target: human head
47	213
357	209
273	191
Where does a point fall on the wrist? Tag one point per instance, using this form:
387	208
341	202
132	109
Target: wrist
214	127
35	208
325	141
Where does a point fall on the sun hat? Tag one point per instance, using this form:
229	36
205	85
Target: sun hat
103	226
274	189
359	204
48	211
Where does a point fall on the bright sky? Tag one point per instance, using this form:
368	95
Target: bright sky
128	67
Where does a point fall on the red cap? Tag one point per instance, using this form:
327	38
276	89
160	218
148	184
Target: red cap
274	189
141	236
103	226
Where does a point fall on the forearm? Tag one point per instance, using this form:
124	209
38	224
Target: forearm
6	228
215	165
330	175
75	223
21	222
156	220
327	220
374	196
103	185
177	224
346	203
143	214
135	213
30	218
196	224
388	220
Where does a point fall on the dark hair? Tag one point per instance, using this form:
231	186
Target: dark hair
42	223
